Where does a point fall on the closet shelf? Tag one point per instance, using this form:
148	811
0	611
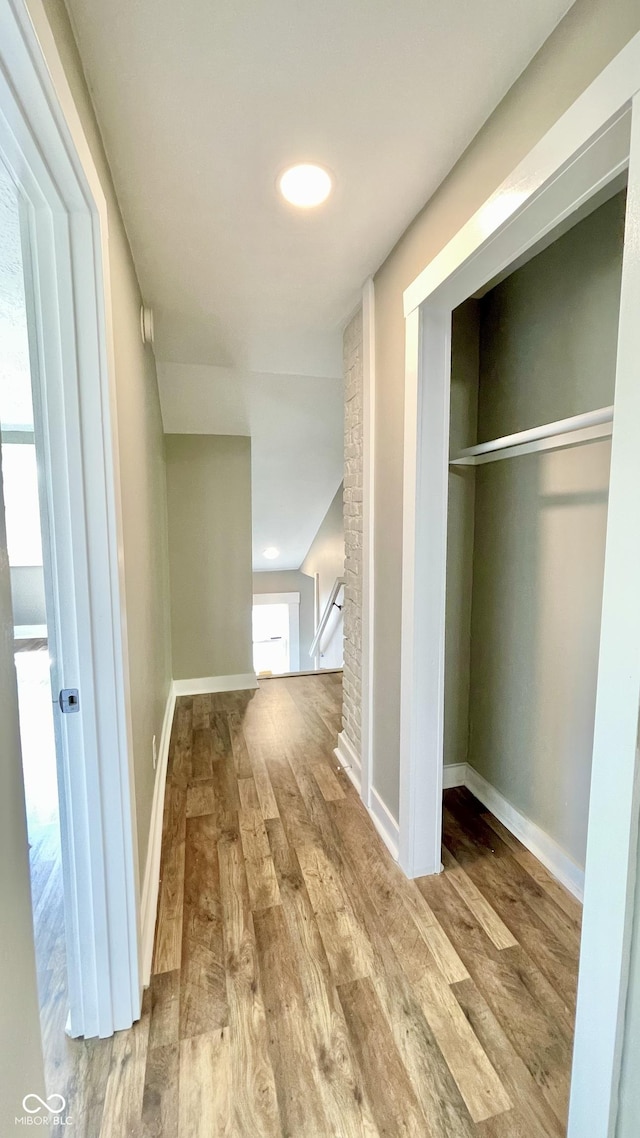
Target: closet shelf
550	436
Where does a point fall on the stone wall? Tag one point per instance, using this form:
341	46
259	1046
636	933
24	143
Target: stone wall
353	472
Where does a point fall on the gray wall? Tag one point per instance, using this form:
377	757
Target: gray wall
547	350
292	581
209	498
27	594
580	47
326	557
141	452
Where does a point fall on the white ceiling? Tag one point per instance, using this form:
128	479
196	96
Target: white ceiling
202	103
295	424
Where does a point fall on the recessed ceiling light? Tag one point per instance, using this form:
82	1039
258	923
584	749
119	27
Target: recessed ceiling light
305	185
271	552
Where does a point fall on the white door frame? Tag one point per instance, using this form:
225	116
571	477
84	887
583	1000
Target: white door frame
589	145
67	275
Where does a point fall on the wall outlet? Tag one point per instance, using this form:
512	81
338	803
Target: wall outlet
155	752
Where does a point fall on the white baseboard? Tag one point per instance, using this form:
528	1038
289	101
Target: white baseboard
540	844
205	685
151	883
349	760
454	775
385	823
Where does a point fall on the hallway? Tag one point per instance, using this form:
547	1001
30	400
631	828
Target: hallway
302	986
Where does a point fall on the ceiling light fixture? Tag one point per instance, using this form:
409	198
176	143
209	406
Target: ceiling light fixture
306	185
271	552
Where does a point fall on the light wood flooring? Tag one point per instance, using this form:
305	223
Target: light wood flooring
302	987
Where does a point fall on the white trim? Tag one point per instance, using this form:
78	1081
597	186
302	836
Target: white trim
150	887
454	774
587	148
368	531
72	358
300	672
206	685
384	823
276	598
349	760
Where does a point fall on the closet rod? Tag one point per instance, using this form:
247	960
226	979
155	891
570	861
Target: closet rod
550	436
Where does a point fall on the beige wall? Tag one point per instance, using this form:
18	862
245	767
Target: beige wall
293	581
326	557
209	497
141	464
21	1070
582	44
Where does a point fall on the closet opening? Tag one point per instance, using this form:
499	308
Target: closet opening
533	366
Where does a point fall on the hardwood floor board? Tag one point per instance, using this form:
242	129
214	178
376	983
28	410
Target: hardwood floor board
299	1098
125	1083
264	789
328	782
338	1078
203	990
504	979
261	875
484	913
395	1106
200	711
477	1081
202	754
179	767
241	758
248	793
165	1009
204	1096
201	798
159	1115
168	946
537	1116
347	947
254	1099
220	736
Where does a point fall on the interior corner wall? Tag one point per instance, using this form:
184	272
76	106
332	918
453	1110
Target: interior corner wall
210	554
141	456
292	581
588	37
353	530
326	558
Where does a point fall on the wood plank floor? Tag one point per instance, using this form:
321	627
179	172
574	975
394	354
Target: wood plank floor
302	988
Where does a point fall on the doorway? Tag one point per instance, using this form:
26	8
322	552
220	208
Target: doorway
25	546
54	189
276	633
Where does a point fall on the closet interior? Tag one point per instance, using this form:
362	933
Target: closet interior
532	391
